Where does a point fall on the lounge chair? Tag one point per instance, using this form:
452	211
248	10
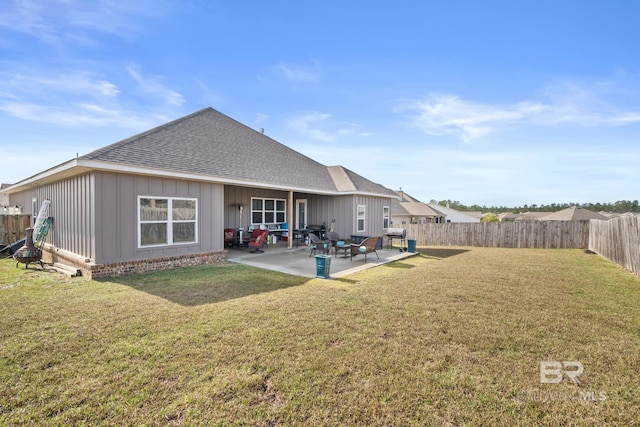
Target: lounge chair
365	247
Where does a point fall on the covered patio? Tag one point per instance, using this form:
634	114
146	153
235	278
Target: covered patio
298	262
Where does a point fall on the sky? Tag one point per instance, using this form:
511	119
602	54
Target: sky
495	103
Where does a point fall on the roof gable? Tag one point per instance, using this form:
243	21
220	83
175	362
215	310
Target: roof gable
209	143
212	144
574	213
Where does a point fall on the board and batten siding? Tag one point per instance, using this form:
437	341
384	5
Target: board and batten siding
117	216
72	209
234	195
344	210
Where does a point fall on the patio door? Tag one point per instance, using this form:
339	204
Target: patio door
300	221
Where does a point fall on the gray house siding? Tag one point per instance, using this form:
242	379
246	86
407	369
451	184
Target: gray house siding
117	216
373	215
71	209
343	209
235	195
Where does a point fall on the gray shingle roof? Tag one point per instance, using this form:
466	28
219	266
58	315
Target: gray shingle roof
408	205
574	213
211	144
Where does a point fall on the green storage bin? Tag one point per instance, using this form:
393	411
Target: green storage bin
323	266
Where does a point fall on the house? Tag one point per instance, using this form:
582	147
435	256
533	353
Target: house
453	215
508	216
162	198
574	213
532	216
408	210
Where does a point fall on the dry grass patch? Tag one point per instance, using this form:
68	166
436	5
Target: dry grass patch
451	336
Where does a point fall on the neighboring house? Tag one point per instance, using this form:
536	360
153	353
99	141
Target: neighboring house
574	213
162	198
508	216
475	214
453	215
408	210
4	200
532	216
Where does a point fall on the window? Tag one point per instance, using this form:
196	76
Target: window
360	218
385	216
268	211
166	221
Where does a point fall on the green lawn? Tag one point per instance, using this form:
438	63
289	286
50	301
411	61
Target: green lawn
454	336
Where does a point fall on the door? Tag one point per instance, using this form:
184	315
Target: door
300	221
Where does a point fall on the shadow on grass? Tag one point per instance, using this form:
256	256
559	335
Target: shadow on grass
440	253
193	286
399	264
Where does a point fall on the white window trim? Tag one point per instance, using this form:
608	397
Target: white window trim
386	216
275	211
362	208
169	222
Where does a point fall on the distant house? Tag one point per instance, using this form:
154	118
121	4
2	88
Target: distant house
508	216
162	198
452	215
4	200
409	210
574	213
532	216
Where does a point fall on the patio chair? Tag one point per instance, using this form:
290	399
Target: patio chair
258	240
333	238
229	237
365	247
318	245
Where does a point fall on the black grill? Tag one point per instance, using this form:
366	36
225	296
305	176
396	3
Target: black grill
318	230
395	233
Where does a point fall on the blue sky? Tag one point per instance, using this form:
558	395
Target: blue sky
489	103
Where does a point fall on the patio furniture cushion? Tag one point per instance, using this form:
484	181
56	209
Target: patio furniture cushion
318	245
258	240
367	246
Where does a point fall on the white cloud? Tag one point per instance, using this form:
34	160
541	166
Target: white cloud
151	85
60	22
320	127
569	103
79	98
298	73
78	82
82	114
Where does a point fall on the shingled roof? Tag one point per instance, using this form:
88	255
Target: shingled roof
574	213
407	205
213	145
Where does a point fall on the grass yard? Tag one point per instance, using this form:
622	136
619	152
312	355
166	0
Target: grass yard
454	336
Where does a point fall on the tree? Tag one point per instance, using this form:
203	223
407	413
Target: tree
490	217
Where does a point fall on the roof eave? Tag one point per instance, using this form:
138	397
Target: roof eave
78	166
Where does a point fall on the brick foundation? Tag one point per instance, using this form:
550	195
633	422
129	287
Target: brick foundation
125	268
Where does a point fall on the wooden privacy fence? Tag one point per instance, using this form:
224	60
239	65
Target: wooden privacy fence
617	240
12	228
517	234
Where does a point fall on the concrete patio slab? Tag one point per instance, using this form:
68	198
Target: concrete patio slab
298	261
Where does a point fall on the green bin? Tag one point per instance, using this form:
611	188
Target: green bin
323	266
412	246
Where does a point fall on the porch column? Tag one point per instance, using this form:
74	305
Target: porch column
290	219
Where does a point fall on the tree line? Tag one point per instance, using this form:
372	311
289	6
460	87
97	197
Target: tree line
620	206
